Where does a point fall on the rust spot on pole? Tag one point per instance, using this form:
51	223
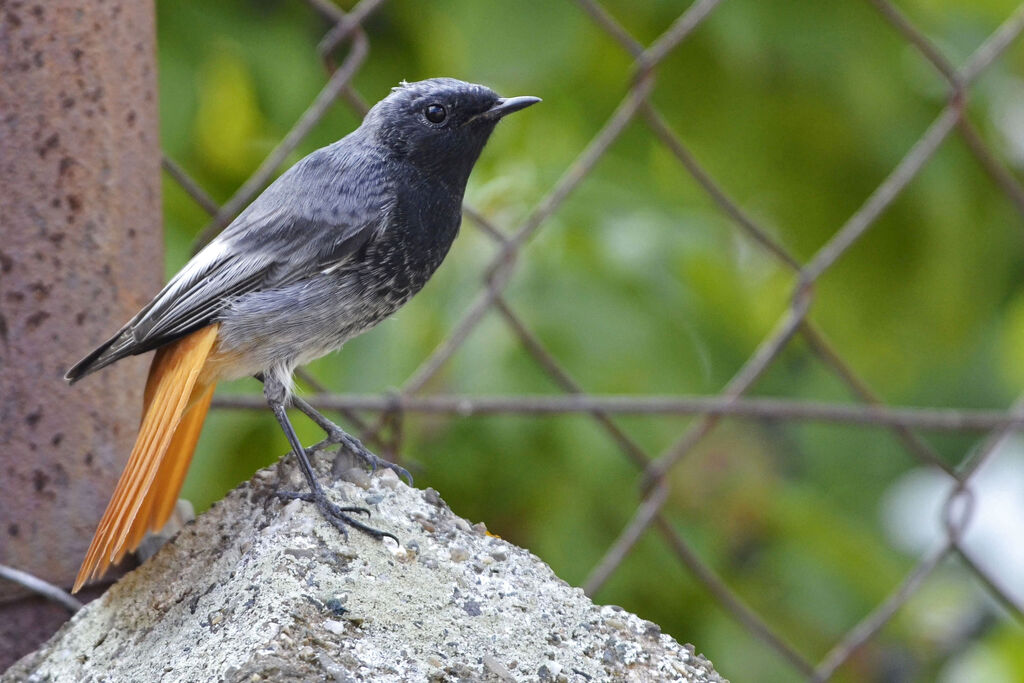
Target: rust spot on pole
81	250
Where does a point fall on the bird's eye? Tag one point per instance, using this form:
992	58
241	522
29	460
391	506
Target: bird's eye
435	113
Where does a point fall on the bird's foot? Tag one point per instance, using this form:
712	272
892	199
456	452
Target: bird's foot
356	448
337	515
336	434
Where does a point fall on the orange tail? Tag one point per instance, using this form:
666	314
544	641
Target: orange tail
174	407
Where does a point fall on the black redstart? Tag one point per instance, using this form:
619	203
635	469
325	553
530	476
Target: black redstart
335	245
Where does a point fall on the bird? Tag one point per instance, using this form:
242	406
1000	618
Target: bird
332	247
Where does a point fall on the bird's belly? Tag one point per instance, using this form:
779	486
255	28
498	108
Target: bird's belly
294	325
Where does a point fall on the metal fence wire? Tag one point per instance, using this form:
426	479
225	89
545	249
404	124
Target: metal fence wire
347	34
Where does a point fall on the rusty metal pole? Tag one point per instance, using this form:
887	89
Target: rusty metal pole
80	251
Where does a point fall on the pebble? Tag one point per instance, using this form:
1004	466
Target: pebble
331	668
334	626
549	672
399	552
427	525
300	553
434	498
617	624
389	480
357	476
336	605
492	664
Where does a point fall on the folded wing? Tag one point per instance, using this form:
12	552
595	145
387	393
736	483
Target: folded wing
275	242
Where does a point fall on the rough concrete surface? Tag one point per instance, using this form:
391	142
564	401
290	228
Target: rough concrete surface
260	590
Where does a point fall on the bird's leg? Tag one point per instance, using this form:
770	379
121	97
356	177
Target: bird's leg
336	434
335	514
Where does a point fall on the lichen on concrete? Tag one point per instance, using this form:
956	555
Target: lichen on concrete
260	590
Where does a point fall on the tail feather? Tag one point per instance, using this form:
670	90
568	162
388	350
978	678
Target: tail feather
157	508
150	483
141	483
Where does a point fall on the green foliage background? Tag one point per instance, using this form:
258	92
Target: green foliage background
639	285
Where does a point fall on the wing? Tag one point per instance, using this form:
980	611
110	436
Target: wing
310	220
289	251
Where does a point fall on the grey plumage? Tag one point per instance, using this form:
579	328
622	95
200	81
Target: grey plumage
336	244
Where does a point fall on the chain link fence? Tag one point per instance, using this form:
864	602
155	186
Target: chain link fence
348	36
637	105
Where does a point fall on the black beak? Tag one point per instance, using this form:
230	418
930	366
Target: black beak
507	105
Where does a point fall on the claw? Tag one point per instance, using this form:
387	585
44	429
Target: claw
311	498
337	515
294	495
356	448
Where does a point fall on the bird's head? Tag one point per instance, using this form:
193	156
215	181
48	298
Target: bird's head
440	125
